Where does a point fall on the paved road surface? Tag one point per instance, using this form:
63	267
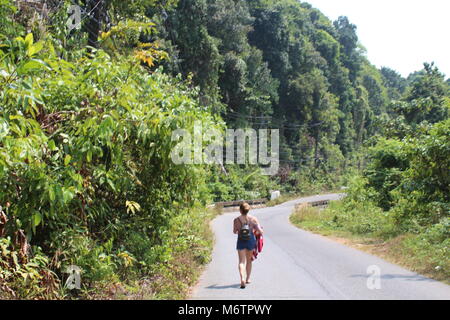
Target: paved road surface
296	264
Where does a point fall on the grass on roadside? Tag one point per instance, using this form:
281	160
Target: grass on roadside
192	246
370	230
189	246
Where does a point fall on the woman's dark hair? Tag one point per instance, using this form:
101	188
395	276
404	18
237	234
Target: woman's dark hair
245	208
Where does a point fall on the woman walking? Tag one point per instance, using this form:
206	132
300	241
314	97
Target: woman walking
246	226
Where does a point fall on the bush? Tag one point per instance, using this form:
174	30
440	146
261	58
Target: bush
22	277
240	183
85	164
95	260
388	160
411	178
360	219
429	250
424	193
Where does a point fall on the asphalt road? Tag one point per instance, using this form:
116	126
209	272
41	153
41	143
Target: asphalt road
298	265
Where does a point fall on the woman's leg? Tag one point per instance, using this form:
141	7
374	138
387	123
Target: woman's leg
249	256
242	255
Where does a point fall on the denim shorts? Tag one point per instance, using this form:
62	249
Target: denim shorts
247	245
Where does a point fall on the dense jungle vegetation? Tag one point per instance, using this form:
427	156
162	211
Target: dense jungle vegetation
87	115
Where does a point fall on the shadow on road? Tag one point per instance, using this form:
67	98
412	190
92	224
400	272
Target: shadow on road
396	277
215	286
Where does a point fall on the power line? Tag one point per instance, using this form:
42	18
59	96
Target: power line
237	114
85	15
282	127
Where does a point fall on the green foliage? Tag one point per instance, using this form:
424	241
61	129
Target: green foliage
345	215
84	140
9	27
285	65
240	184
384	173
402	195
407	179
362	223
97	261
71	128
428	250
410	177
22	277
423	194
425	101
138	8
190	245
124	39
394	82
85	135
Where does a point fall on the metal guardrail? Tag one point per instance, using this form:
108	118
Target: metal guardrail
322	203
231	204
313	204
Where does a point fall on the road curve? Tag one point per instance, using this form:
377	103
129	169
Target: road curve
298	265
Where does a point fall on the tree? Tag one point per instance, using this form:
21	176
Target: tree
394	82
230	21
372	80
348	38
198	50
426	97
270	35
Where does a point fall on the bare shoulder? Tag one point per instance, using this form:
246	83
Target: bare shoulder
254	219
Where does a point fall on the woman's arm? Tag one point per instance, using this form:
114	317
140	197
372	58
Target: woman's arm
235	227
259	230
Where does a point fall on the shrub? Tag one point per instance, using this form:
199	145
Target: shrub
388	160
85	164
22	277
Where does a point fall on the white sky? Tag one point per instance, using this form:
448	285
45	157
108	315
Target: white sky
399	34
